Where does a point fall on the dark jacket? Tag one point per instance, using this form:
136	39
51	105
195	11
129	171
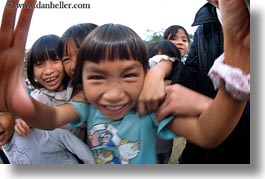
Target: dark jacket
207	45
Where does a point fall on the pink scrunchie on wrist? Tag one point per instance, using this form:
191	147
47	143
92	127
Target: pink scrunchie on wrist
235	81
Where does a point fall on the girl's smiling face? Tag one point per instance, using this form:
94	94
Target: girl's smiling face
50	74
113	87
69	58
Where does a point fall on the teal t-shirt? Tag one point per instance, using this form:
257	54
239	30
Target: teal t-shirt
130	140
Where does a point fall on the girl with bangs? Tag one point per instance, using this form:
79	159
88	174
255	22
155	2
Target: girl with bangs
45	71
46	74
111	66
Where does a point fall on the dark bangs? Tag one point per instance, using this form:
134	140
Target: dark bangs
46	47
112	42
77	33
170	32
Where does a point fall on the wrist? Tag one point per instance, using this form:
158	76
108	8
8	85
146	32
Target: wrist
156	73
230	78
238	57
158	58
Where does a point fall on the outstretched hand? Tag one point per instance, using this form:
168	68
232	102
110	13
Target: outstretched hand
13	90
236	27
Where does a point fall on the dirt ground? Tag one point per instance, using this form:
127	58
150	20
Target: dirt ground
178	146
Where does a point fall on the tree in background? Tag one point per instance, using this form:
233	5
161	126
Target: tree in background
153	36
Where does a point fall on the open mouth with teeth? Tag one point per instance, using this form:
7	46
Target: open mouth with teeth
53	81
114	112
114	108
50	79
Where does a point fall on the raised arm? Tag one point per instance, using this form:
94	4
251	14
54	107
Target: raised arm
12	49
13	90
216	122
213	125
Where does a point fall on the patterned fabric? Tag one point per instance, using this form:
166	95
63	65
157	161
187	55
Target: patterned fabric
50	98
130	140
234	80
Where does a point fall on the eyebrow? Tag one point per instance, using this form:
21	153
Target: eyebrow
96	70
131	67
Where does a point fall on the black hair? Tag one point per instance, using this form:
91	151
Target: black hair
171	31
44	48
163	47
77	33
110	42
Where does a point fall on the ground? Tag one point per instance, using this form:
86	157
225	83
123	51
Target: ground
179	144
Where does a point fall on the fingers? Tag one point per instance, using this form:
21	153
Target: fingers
9	15
21	128
8	22
150	105
162	112
9	36
164	109
23	25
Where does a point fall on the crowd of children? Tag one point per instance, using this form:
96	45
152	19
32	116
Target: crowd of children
98	82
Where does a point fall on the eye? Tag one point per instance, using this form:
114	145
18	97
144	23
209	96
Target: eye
38	64
95	77
66	59
56	60
130	75
185	40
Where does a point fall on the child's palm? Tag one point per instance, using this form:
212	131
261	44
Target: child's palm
13	91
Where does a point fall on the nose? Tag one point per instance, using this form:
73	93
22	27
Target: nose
179	42
48	68
114	93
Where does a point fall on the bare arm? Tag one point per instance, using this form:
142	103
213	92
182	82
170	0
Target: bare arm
49	118
182	101
153	91
215	123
